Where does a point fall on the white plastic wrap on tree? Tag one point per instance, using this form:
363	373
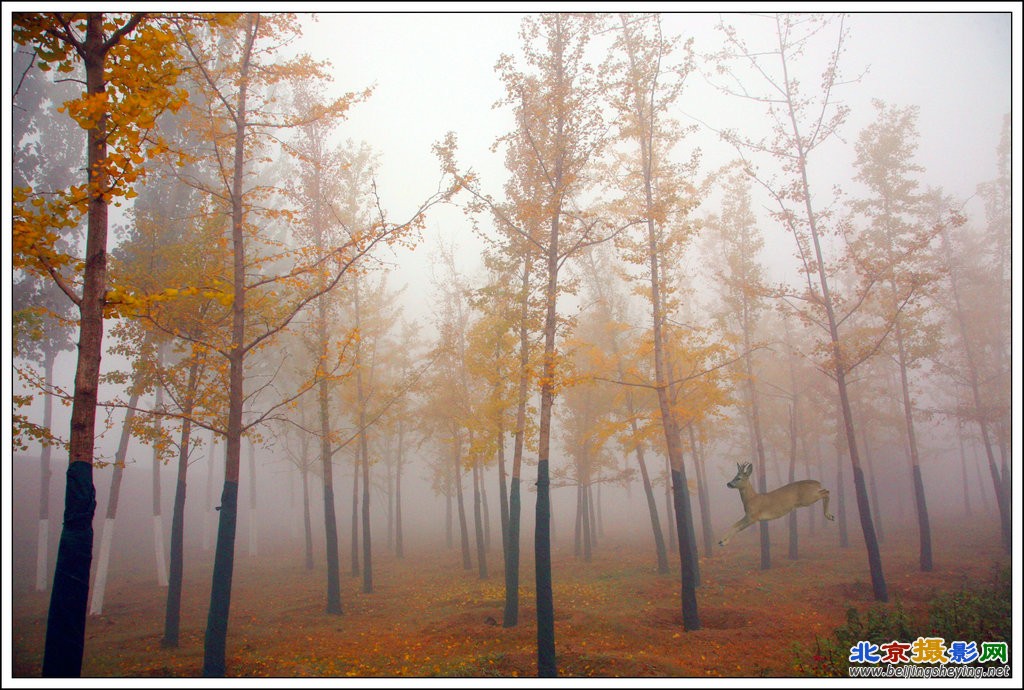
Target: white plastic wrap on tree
99	587
158	543
42	555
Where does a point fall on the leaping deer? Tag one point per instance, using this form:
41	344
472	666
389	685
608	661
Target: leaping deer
773	504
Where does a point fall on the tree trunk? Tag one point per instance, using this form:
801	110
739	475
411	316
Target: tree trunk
355	516
486	512
669	512
577	540
45	474
107	540
172	614
478	523
511	613
592	515
702	492
390	509
158	523
367	545
467	563
307	522
546	663
794	548
844	539
873	487
449	538
923	526
399	548
208	513
691	539
253	522
839	364
503	493
332	554
652	509
65	622
364	454
215	643
963	477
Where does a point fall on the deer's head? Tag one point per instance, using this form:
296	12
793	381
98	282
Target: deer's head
743	471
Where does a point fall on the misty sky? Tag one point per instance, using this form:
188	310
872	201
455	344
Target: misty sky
433	73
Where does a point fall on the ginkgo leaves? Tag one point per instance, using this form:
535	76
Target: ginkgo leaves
140	71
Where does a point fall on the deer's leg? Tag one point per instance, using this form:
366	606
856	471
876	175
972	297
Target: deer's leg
824	504
741	524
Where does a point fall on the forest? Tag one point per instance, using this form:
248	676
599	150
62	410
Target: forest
620	384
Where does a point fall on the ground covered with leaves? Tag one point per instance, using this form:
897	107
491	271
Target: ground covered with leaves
614	616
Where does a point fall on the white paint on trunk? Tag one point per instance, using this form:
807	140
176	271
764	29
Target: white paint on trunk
42	554
158	544
99	587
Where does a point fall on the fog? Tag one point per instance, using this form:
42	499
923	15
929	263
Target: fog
415	320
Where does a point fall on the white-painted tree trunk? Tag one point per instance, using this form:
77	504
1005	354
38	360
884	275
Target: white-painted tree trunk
209	517
42	554
158	542
102	567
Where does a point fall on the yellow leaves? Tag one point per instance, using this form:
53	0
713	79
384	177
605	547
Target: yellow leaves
123	301
37	225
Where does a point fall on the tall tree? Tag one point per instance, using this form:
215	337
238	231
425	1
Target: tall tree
647	88
896	239
741	286
509	322
130	73
266	276
975	365
332	191
610	302
801	124
997	195
558	131
46	155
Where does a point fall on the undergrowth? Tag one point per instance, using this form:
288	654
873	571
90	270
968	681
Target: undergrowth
980	614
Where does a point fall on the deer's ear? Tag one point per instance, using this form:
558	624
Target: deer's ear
748	468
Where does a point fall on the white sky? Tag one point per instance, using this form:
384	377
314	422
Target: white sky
433	72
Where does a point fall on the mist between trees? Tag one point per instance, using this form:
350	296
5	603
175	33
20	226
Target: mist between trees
610	325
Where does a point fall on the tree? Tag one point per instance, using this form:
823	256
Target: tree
897	237
43	319
975	368
741	285
611	305
657	195
997	196
559	128
801	124
587	423
268	282
511	317
326	175
130	74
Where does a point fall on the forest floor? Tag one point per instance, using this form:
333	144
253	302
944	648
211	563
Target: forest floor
427	617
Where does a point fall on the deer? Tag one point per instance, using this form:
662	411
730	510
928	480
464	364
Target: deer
774	504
